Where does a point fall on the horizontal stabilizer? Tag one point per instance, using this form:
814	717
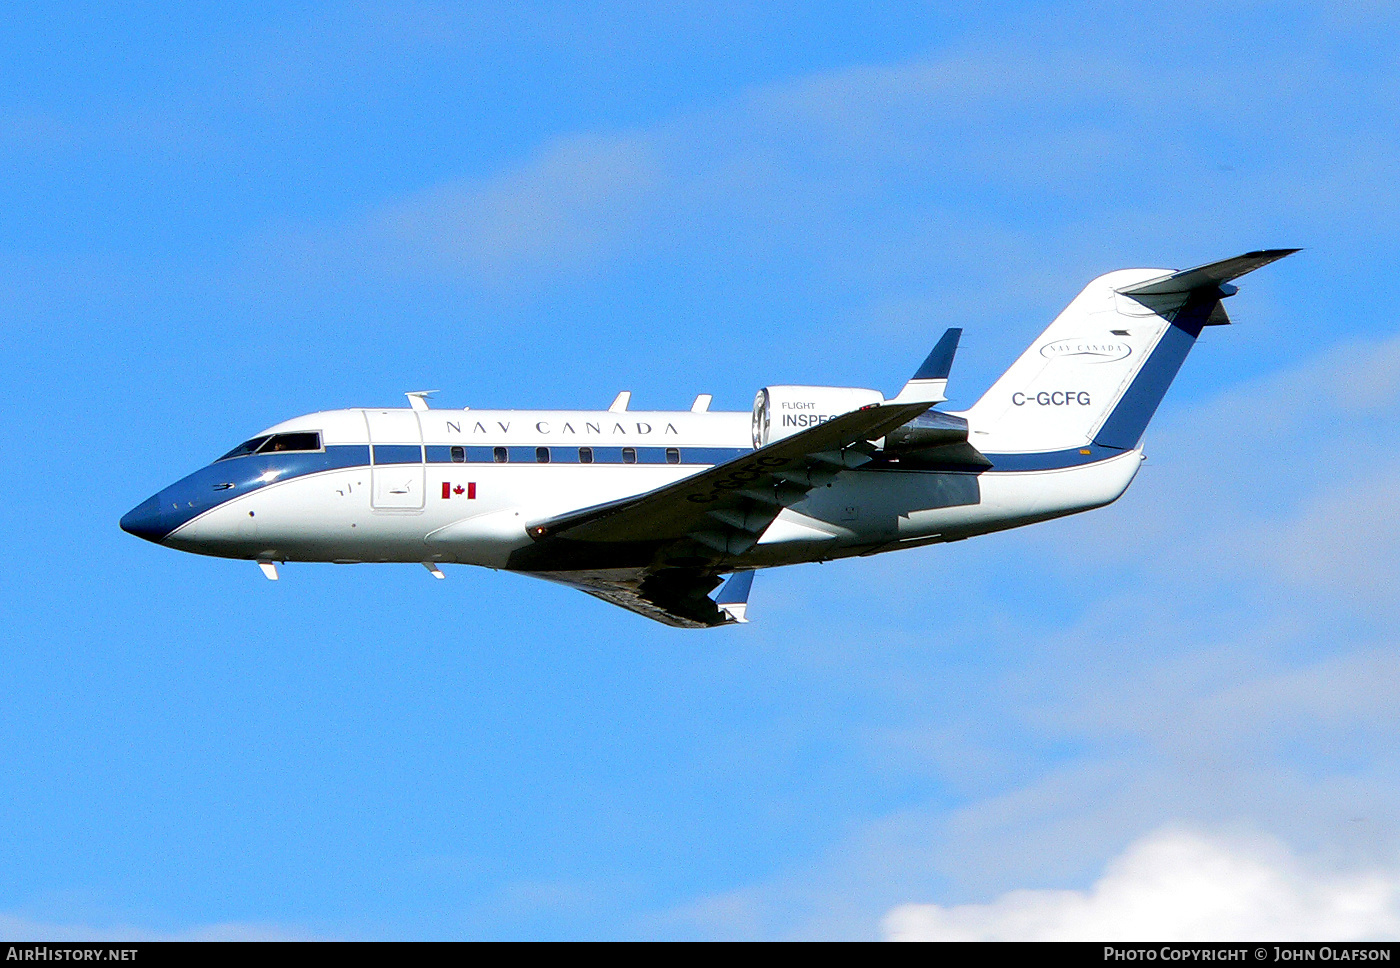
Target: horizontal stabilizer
1207	276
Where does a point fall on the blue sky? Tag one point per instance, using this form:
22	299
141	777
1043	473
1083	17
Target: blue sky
214	219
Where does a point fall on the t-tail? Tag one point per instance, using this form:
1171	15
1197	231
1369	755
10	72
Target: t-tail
1095	377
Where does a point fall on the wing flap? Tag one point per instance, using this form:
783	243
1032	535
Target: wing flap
678	597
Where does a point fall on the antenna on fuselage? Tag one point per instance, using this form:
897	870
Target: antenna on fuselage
418	399
620	404
702	403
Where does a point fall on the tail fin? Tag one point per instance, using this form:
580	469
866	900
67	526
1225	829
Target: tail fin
1098	373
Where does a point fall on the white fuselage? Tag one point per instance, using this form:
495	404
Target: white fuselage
371	495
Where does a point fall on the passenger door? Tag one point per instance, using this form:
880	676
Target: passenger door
396	477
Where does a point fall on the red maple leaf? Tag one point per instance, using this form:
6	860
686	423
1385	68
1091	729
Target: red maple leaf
458	489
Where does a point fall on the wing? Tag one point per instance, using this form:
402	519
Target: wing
726	507
678	597
659	554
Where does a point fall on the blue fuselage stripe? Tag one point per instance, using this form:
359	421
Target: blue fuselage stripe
447	454
398	454
1051	460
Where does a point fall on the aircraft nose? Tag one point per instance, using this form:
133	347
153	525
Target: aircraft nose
146	520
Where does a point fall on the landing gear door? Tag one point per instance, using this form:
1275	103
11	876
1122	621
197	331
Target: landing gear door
396	452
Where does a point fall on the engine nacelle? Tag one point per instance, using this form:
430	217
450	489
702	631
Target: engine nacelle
932	428
934	440
780	412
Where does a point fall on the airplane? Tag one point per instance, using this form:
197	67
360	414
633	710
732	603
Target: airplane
650	509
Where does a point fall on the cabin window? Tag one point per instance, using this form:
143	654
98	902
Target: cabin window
673	455
629	455
282	443
500	455
245	448
459	455
541	455
585	455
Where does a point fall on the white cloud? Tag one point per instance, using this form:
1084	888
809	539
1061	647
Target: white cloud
566	209
1180	885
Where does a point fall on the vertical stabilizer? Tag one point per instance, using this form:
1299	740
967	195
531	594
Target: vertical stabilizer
1098	373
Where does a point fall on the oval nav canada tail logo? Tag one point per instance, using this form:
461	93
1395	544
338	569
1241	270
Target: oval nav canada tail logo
1085	350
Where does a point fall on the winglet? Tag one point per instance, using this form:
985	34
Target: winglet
928	384
733	598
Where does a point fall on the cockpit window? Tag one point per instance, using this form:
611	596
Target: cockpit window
280	443
245	448
276	444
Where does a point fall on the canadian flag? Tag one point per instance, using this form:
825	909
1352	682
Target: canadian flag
450	490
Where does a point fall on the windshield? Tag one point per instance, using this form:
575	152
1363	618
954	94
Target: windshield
245	448
276	444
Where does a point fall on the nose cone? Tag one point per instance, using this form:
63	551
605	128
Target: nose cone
147	521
